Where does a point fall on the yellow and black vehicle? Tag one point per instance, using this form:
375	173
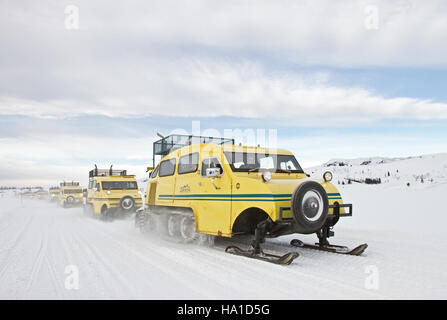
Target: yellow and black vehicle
206	185
54	193
112	192
70	194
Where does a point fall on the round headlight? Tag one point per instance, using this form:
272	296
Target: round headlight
327	176
267	176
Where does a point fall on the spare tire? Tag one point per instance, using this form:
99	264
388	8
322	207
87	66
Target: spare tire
127	203
309	207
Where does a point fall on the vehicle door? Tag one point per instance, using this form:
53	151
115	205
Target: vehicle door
215	196
166	182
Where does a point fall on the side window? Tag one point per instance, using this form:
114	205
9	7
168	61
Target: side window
96	185
188	163
154	173
210	163
167	168
287	165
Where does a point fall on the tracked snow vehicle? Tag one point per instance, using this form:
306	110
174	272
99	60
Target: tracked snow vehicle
70	194
111	193
54	193
205	185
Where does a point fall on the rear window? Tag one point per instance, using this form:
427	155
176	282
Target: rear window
119	185
167	168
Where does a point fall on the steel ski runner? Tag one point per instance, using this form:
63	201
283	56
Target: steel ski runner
330	247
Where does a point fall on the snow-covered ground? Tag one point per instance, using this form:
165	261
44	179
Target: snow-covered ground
403	226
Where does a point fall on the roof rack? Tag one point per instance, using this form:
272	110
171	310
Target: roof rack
106	172
172	142
69	184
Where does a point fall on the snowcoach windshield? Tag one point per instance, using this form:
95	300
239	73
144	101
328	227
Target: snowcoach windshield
68	191
119	185
250	162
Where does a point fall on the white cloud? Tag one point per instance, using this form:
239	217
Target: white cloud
409	32
212	89
164	58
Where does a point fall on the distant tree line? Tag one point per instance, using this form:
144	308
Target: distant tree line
366	180
19	188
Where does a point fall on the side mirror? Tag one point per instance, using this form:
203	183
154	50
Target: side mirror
150	173
212	172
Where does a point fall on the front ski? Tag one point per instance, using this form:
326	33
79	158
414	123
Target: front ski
285	259
330	247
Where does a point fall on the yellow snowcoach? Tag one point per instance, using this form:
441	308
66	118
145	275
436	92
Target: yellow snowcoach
112	192
206	185
54	193
70	194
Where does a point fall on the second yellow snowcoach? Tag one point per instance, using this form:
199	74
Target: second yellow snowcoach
112	192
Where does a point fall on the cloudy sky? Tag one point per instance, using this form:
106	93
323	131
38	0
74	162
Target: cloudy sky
85	82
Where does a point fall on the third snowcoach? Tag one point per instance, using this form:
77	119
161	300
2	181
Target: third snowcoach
54	193
70	194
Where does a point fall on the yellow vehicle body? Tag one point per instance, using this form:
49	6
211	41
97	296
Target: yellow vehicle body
108	193
54	194
70	195
223	205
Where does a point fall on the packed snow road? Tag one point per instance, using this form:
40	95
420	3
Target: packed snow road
44	248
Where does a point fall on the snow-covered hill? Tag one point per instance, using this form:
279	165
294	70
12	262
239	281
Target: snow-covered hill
419	172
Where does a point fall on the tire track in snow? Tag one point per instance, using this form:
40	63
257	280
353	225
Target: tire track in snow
152	258
168	258
38	262
55	282
6	260
106	264
89	274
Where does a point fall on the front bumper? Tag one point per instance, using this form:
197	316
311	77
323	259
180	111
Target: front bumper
75	202
336	211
